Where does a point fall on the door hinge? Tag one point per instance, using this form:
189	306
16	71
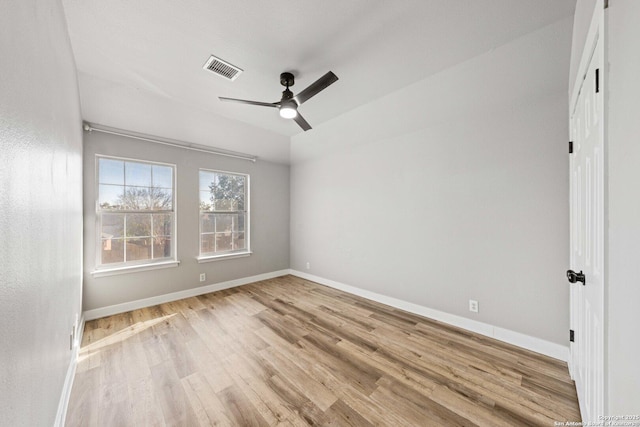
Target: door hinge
597	80
570	147
606	4
572	335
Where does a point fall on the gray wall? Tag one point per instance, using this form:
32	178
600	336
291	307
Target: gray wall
269	222
453	188
40	209
623	285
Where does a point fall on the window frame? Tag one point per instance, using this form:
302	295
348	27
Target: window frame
102	269
212	256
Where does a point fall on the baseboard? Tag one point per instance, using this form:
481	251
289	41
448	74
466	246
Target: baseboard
63	404
160	299
528	342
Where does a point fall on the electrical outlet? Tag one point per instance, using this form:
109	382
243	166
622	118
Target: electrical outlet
473	305
308	265
203	277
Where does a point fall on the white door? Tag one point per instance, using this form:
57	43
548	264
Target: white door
587	236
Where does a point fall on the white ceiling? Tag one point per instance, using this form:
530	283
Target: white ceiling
151	52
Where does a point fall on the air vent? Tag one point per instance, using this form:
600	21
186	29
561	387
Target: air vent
222	68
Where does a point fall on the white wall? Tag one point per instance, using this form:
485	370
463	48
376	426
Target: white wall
269	200
453	188
40	209
623	296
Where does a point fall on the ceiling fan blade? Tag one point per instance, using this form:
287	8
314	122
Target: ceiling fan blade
302	122
316	87
244	101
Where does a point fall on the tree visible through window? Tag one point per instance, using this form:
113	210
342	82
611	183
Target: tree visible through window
135	212
223	213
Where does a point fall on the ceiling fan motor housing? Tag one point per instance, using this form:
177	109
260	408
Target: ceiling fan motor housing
287	95
287	79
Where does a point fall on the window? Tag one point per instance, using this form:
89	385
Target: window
135	212
224	213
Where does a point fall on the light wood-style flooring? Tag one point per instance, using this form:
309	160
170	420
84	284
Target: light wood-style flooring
291	352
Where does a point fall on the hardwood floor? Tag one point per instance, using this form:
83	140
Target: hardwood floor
287	351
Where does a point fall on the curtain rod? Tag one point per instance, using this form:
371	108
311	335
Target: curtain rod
88	127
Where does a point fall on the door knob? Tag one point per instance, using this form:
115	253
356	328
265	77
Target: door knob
574	277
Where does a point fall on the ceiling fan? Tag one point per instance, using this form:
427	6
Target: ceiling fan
289	103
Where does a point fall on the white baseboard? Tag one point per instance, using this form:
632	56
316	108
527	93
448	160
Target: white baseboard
160	299
528	342
63	404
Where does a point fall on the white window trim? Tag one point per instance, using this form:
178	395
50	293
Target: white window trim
230	255
102	270
209	257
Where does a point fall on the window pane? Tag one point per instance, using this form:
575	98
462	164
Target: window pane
223	242
110	196
206	178
110	171
112	225
138	225
224	223
227	191
241	220
208	222
226	205
162	176
136	198
112	251
161	198
138	249
207	243
238	241
162	224
138	174
240	190
161	247
205	201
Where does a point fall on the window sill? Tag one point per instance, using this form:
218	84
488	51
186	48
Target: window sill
210	258
134	268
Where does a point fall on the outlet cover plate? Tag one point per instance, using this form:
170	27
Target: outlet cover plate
473	305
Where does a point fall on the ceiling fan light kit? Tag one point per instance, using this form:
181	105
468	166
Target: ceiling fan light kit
289	110
288	104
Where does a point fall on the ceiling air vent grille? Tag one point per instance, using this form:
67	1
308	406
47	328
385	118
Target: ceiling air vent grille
222	68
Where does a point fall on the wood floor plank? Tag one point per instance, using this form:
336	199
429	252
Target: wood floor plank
85	398
144	403
340	414
290	352
312	390
211	411
240	410
403	401
234	366
174	403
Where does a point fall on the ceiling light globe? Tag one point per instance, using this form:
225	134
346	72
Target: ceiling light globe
288	111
